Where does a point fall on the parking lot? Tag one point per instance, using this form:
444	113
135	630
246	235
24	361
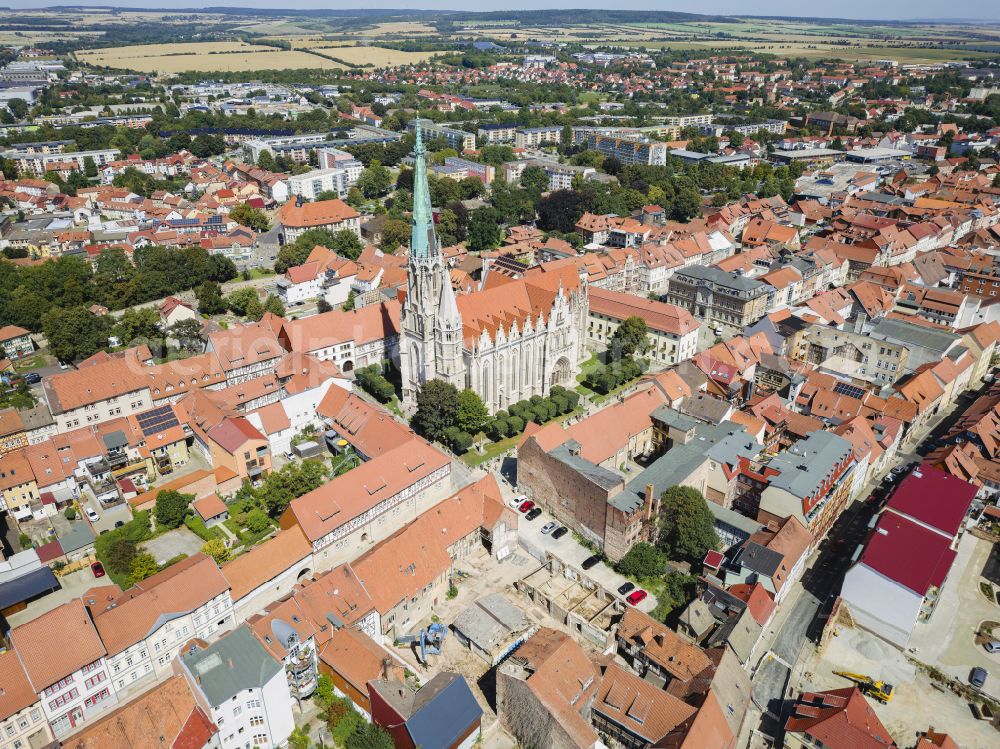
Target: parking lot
947	641
107	516
570	552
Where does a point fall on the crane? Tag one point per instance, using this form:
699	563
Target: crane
878	690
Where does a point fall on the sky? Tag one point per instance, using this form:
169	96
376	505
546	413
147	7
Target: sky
860	9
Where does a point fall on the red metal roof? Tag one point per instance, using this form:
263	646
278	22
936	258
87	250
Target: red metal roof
909	554
934	497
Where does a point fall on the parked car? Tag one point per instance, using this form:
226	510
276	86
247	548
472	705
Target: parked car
625	588
636	598
532	514
517	501
549	527
98	569
992	646
978	677
119	523
32	378
559	532
92	516
526	505
590	562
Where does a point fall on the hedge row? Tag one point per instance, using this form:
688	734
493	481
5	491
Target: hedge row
605	379
371	380
537	409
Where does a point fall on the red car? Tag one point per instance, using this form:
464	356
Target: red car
636	598
98	569
525	506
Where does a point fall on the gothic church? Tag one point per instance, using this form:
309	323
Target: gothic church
512	339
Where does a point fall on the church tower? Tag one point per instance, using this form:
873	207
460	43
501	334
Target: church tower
430	343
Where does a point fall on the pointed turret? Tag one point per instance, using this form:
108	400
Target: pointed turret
423	242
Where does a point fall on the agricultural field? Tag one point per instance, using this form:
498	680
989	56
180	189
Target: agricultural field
202	56
376	56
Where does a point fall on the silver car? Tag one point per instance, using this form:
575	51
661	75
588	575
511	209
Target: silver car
549	527
992	646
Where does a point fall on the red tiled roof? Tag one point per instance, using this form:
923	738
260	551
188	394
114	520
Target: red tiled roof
909	554
840	719
935	498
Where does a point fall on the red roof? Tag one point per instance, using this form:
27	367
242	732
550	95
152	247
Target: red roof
909	554
935	498
713	559
840	719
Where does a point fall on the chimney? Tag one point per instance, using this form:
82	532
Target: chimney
229	662
387	669
648	501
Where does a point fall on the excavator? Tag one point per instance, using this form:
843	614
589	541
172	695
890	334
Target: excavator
878	690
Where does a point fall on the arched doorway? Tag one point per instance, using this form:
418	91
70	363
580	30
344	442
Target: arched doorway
347	366
561	372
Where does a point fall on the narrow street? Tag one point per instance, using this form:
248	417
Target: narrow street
802	616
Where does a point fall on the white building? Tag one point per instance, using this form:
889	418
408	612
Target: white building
242	688
310	184
22	723
38	163
673	332
144	628
281	421
64	660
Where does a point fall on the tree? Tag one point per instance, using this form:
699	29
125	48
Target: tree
253	218
216	548
210	300
18	108
273	305
240	300
631	337
324	306
346	243
437	409
75	333
348	305
119	556
188	334
144	565
535	179
266	161
138	323
472	412
257	521
677	591
291	255
89	167
395	234
643	560
254	309
375	181
560	210
687	526
171	507
70	513
369	736
484	229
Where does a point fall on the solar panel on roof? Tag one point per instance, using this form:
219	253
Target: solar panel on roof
851	391
157	420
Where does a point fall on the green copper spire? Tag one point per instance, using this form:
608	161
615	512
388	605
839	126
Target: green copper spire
423	242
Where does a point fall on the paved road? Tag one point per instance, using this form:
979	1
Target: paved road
809	605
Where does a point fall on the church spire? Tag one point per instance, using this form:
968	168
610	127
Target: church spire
423	242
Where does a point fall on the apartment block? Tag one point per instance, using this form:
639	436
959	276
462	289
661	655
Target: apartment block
534	137
457	139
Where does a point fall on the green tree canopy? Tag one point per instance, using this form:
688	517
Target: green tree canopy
75	333
210	301
643	560
347	243
687	526
253	218
485	231
375	181
144	565
437	409
631	337
171	507
472	412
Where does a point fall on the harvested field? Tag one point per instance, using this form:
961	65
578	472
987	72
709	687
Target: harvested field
203	56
